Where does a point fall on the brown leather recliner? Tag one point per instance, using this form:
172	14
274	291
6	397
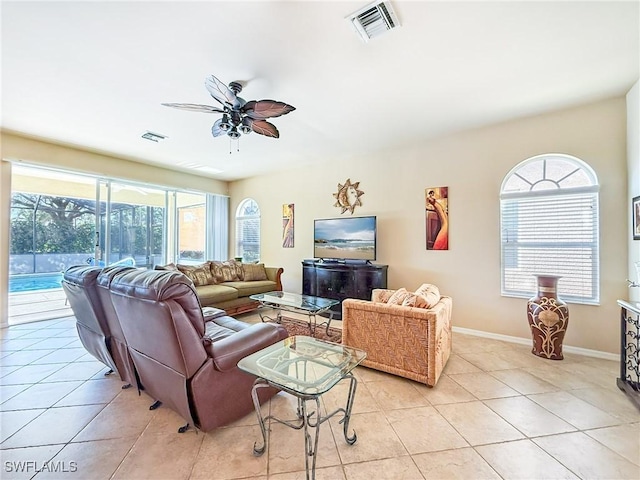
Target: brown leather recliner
80	287
118	344
188	365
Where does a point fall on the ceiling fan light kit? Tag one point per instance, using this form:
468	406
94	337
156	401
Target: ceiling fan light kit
239	117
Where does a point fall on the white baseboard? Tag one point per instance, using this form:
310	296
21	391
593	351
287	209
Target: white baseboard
527	341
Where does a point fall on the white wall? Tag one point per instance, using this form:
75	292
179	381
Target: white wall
633	162
472	164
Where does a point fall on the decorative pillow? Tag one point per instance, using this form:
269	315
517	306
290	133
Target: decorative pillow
398	296
239	270
230	271
425	297
199	274
170	266
253	271
431	294
415	300
381	295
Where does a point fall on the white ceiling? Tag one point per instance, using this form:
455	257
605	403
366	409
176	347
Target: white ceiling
94	74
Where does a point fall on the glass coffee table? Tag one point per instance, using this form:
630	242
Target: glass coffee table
306	368
296	303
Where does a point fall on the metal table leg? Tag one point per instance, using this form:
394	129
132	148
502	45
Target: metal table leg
347	414
307	421
313	324
266	318
329	321
259	383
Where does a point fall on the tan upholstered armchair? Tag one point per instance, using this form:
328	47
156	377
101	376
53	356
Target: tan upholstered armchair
407	341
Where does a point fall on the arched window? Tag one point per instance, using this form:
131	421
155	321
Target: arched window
549	224
248	231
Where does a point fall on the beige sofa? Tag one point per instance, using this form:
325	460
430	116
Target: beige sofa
407	341
228	285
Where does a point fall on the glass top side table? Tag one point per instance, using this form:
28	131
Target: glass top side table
305	368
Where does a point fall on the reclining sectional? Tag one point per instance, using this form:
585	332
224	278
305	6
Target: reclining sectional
163	343
80	287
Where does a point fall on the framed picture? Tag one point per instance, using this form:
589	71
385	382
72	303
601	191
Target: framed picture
635	217
436	207
287	225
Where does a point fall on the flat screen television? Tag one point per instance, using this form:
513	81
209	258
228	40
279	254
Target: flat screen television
349	238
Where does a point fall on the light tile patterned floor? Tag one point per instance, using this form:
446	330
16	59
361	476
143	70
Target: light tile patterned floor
497	412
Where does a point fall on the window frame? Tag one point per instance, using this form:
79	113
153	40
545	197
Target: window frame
586	194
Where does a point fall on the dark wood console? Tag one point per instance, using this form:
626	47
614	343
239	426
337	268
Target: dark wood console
342	279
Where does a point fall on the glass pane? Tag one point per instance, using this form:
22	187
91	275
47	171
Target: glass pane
191	227
558	168
516	184
248	231
52	221
576	179
136	223
544	185
532	172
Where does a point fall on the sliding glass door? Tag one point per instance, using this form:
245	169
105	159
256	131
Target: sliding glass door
132	224
59	219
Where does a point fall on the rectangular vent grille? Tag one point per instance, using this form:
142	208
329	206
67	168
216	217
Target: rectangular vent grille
154	137
200	168
374	20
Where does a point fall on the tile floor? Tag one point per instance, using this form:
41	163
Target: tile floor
497	412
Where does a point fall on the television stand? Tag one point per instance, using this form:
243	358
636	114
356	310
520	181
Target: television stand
358	262
344	261
337	280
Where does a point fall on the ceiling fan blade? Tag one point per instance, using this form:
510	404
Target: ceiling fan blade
221	92
262	127
216	131
261	109
193	107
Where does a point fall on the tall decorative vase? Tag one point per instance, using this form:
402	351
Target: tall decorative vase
548	318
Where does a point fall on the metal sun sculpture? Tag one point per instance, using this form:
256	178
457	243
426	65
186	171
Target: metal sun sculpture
348	196
238	115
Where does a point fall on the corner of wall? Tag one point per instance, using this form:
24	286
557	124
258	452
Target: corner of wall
5	210
633	171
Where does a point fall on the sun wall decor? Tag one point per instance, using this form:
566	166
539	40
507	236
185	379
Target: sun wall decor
348	196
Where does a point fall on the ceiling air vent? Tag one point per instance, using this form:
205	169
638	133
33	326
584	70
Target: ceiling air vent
200	168
374	19
154	137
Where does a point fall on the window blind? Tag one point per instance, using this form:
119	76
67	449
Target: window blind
553	233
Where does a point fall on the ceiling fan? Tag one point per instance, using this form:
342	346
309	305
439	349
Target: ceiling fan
238	115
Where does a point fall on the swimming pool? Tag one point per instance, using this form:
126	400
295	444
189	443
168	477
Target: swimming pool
35	281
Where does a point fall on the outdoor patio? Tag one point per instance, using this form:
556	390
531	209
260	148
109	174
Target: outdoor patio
37	305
